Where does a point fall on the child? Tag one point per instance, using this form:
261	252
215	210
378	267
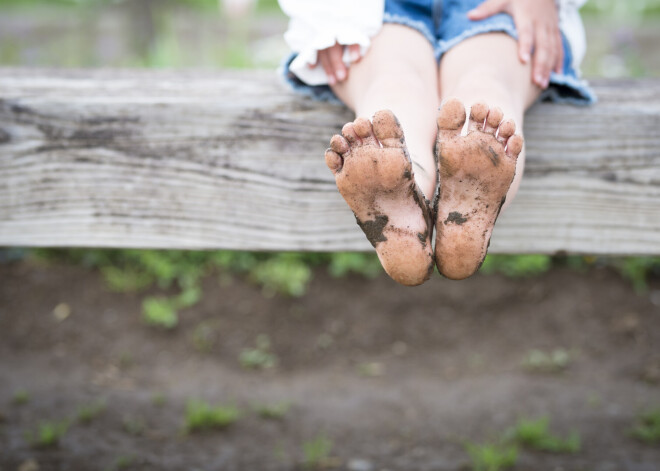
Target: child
398	61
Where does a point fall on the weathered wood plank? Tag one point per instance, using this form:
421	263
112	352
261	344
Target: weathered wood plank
193	159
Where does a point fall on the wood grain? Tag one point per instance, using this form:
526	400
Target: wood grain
200	160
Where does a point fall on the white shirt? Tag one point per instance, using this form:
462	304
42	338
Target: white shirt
318	24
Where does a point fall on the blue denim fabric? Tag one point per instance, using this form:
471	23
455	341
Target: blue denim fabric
445	24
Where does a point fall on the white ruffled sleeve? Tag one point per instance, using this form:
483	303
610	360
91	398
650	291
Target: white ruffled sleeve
571	25
319	24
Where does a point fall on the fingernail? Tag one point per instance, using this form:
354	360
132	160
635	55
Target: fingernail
539	79
331	79
526	57
341	74
355	55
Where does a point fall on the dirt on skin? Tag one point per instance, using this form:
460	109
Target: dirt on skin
397	378
474	181
374	175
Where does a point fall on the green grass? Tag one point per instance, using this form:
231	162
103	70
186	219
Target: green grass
122	462
516	266
259	357
202	416
20	397
647	428
534	434
158	399
538	361
134	426
88	412
275	410
48	434
316	451
492	456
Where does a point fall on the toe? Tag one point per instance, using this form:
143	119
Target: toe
348	131
478	114
362	127
506	130
493	120
514	146
339	144
333	160
451	118
387	129
364	131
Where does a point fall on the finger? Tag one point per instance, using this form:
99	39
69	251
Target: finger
486	9
354	53
559	67
525	39
543	57
336	62
325	63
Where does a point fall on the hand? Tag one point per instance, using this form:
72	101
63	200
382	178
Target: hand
537	23
331	61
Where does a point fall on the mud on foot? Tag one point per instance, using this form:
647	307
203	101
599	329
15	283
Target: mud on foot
476	172
374	174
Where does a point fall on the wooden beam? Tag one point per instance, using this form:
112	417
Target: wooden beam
199	160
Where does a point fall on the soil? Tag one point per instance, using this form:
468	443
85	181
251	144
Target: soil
397	378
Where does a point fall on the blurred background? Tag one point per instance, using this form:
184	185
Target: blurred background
248	34
152	359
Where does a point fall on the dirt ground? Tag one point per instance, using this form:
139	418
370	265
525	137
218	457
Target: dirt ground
397	378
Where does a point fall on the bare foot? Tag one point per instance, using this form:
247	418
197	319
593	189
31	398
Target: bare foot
475	174
374	174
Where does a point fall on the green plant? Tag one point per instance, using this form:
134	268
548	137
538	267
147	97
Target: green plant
276	410
158	399
286	274
647	428
517	266
160	312
365	264
317	451
20	397
371	369
48	434
538	361
134	425
201	415
203	337
492	456
259	357
122	462
534	434
90	411
637	270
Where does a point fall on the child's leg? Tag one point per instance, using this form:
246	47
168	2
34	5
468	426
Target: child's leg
383	186
476	173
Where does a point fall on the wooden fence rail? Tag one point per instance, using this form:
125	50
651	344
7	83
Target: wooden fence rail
197	160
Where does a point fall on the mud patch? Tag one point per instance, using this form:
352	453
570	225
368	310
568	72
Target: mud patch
494	156
456	218
374	229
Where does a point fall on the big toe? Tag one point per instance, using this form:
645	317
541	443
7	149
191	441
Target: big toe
451	118
388	129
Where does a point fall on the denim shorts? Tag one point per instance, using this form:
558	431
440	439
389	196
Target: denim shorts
445	24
